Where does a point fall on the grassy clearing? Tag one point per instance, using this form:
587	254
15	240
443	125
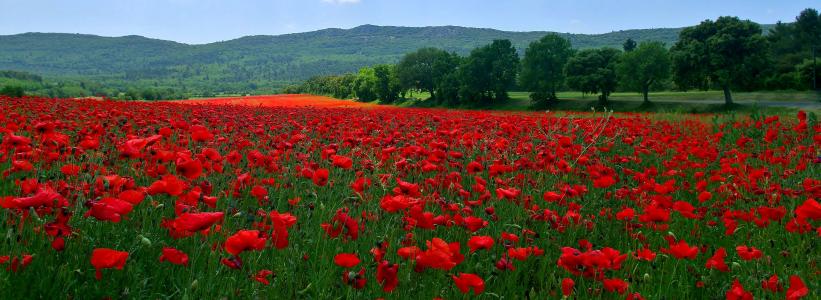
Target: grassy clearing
664	102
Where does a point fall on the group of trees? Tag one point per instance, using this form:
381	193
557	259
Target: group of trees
18	84
726	54
483	77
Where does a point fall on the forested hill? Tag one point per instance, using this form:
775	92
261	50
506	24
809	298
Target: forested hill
255	60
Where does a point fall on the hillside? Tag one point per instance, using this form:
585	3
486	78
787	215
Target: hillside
253	61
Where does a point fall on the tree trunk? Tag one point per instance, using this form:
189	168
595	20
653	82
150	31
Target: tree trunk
646	91
432	96
603	99
728	96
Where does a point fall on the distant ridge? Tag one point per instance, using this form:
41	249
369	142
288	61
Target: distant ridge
263	59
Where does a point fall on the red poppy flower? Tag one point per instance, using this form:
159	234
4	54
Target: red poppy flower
645	254
682	250
797	289
473	224
360	184
439	255
810	209
174	256
355	279
480	242
717	261
70	170
281	222
343	162
615	285
386	275
737	292
59	244
342	222
567	287
244	240
626	214
169	184
508	193
109	209
748	253
193	222
772	284
43	197
320	177
189	168
233	262
396	203
408	252
132	196
17	263
474	167
104	258
604	182
467	282
262	276
346	260
704	196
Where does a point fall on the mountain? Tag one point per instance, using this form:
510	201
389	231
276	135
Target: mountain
252	61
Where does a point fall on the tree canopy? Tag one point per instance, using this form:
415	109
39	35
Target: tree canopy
489	72
639	69
543	67
727	52
593	71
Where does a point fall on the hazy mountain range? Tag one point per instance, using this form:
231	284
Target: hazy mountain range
262	59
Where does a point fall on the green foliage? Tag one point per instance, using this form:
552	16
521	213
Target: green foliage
805	73
24	76
269	62
365	85
543	67
388	86
715	54
629	45
341	86
488	73
424	69
593	71
644	66
790	45
727	52
12	91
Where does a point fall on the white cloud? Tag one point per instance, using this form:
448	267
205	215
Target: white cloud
341	1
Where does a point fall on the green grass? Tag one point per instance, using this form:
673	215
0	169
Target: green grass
698	95
668	101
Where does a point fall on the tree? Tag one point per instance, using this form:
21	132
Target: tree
727	52
543	67
424	68
629	45
808	28
387	84
488	73
12	91
593	71
365	85
648	64
805	73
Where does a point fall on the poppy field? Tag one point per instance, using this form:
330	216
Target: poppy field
193	200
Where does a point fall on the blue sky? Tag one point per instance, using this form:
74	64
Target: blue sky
202	21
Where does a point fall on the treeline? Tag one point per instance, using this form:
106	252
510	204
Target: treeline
725	54
18	84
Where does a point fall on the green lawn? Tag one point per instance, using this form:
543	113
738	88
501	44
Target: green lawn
669	101
700	95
